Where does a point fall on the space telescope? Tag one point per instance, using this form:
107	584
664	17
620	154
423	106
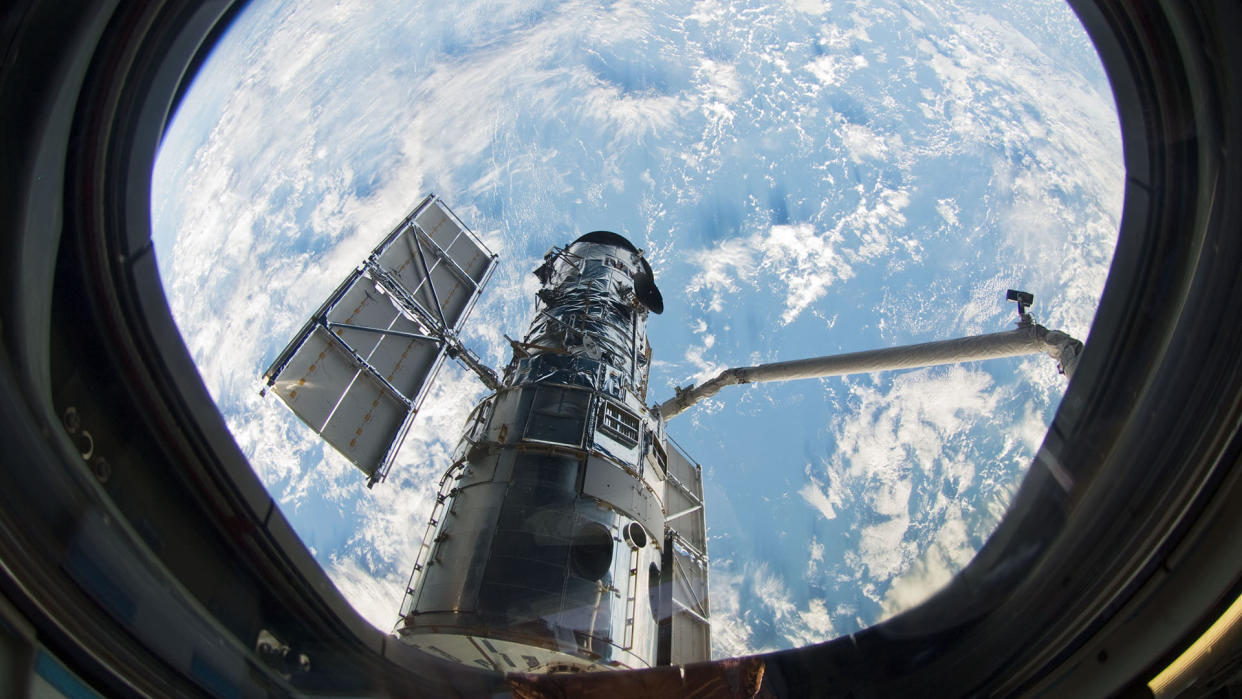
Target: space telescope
569	532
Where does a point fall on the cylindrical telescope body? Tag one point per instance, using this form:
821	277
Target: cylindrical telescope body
546	545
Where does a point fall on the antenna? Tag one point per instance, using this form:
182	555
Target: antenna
358	370
1025	300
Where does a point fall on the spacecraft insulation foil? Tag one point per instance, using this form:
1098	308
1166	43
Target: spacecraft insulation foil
548	548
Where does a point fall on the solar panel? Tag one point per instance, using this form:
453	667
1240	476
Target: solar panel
359	368
691	613
683	492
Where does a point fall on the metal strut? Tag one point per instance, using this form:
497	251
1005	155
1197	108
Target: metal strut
438	330
1028	338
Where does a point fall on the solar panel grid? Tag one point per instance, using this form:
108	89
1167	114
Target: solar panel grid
359	369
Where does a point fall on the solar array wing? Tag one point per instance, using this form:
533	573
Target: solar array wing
691	613
359	369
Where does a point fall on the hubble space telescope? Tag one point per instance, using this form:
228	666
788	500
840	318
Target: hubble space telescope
568	533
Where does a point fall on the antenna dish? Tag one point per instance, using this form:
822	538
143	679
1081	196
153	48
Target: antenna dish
645	289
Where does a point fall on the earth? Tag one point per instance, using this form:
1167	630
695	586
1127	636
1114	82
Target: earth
806	178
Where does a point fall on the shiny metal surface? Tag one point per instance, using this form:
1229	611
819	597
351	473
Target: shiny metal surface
550	551
1028	338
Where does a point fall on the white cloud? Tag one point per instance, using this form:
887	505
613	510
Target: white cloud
720	87
376	599
814	625
815	559
811	7
761	594
888	440
1059	184
731	632
628	118
772	593
807	262
721	268
948	553
814	496
801	259
829	70
948	210
862	143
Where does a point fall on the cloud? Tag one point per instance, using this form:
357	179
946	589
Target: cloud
814	496
894	458
628	118
808	263
815	558
862	143
754	610
801	259
772	593
948	553
376	599
731	632
948	210
814	624
720	270
810	7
